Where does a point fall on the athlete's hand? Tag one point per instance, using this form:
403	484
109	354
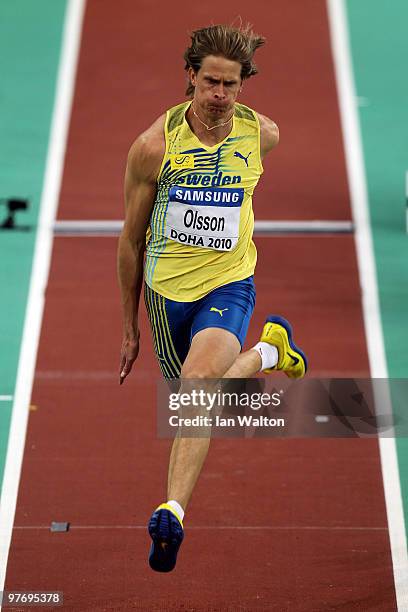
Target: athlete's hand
128	354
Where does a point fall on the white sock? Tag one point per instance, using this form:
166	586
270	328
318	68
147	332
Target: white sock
177	508
268	353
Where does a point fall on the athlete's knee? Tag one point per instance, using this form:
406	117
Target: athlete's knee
193	382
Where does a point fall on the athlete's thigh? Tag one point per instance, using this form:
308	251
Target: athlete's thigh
171	329
212	353
219	328
228	307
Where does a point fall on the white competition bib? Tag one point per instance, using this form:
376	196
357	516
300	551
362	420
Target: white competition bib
204	217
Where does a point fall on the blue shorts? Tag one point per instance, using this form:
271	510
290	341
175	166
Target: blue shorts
174	324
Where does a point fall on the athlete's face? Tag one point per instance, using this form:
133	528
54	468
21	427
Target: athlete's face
217	85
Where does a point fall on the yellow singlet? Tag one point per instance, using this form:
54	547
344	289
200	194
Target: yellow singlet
200	233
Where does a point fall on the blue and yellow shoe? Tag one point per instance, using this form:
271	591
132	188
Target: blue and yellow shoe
166	530
291	359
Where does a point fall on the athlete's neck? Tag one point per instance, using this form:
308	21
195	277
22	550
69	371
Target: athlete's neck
208	130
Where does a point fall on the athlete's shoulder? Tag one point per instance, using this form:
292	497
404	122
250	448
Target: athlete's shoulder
146	153
269	134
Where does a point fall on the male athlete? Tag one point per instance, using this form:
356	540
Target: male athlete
188	190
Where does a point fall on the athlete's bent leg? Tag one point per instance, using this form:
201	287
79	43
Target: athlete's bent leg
276	350
247	364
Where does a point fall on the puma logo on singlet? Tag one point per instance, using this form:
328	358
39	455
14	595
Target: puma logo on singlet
213	309
238	154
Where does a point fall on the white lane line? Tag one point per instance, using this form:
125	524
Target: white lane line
39	274
6	398
368	280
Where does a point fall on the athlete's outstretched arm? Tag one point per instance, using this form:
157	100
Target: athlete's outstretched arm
142	169
269	134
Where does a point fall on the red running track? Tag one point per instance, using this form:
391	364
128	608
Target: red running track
296	525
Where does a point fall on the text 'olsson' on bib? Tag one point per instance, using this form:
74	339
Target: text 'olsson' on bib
206	218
